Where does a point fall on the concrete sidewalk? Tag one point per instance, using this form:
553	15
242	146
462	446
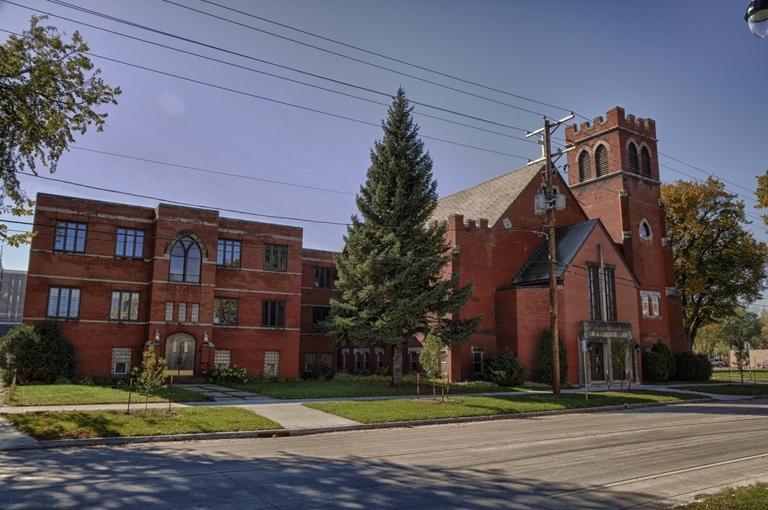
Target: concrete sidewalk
291	415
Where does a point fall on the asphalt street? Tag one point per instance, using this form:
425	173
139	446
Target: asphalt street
642	458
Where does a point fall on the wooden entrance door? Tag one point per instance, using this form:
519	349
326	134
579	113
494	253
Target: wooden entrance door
180	354
598	365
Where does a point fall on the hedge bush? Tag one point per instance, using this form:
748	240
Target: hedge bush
655	367
43	353
661	348
692	367
545	358
504	368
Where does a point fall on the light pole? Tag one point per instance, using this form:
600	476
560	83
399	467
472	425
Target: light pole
757	17
551	202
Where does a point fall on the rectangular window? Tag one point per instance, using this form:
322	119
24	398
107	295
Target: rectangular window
195	313
327	358
478	353
225	311
594	294
273	314
182	312
272	363
228	254
309	360
379	360
414	361
169	311
125	306
130	243
610	295
323	277
319	314
650	301
121	362
275	257
366	361
221	359
70	236
63	302
345	360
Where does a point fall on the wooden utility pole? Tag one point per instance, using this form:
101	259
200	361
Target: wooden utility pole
549	177
551	205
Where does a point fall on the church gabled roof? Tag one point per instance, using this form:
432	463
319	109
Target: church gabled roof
568	242
489	199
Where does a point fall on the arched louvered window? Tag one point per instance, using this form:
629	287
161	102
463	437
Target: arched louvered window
585	166
645	157
186	259
601	160
633	161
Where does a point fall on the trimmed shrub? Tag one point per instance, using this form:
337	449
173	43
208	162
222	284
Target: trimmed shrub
43	353
545	358
232	374
320	371
504	368
655	367
692	367
661	348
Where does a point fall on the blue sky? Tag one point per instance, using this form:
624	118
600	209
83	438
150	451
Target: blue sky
699	73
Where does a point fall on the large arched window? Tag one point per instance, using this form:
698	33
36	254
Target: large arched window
585	166
186	260
601	160
633	161
645	157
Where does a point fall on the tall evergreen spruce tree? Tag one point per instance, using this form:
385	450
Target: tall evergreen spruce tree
389	274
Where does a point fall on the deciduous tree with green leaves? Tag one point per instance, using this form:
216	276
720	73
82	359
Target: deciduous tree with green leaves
719	266
48	92
390	271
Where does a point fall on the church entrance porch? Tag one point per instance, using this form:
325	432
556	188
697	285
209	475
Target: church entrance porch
607	353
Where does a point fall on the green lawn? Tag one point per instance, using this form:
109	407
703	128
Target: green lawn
752	497
70	394
730	389
735	375
360	387
84	424
382	411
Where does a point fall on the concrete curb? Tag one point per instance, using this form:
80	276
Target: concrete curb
255	434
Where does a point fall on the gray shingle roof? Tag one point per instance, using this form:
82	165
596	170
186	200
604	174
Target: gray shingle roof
488	200
568	242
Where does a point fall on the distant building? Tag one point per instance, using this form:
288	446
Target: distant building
12	288
213	292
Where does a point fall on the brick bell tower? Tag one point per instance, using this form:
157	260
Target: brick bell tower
614	174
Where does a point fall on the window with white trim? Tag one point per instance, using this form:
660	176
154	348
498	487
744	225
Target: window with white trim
195	313
221	359
650	304
182	312
327	358
272	363
309	360
121	362
169	311
478	355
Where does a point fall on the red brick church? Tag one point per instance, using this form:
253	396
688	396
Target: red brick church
213	292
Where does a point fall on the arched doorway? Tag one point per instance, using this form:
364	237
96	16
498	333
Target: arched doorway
180	353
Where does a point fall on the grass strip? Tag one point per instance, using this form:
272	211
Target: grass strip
76	394
359	388
752	497
46	426
383	411
731	389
